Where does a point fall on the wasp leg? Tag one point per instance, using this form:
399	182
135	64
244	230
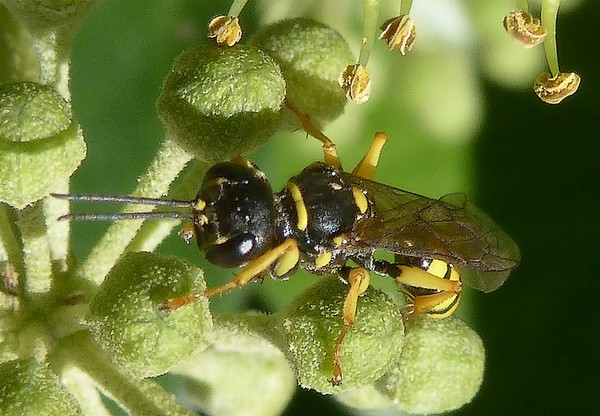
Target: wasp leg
284	257
366	167
329	149
438	305
359	280
436	296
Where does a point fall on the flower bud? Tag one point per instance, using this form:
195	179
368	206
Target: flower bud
311	56
242	354
48	14
365	398
125	318
440	369
30	388
311	325
218	103
41	144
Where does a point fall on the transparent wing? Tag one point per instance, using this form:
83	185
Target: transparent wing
448	229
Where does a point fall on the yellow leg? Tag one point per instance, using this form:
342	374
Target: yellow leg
445	291
286	255
416	277
366	167
329	150
358	279
437	305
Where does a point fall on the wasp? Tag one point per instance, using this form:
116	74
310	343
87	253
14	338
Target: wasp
326	219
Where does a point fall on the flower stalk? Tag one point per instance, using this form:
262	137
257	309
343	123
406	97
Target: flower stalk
370	16
549	17
138	397
405	7
166	166
35	248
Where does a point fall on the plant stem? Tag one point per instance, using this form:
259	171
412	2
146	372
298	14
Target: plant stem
236	7
82	388
19	63
138	397
370	16
523	5
405	7
153	233
53	50
10	249
168	163
36	250
549	16
58	231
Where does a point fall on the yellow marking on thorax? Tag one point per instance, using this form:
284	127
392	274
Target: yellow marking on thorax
199	205
201	220
323	259
221	239
338	240
300	207
360	199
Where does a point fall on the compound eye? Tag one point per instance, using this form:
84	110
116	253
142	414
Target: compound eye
234	252
211	192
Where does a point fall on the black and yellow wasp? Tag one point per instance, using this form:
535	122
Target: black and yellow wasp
326	217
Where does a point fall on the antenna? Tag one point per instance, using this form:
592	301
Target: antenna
127	215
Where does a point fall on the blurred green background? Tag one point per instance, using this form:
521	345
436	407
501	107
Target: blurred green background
461	116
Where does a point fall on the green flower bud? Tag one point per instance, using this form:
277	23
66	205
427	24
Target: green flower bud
440	369
47	14
311	325
125	318
365	398
221	102
30	388
41	144
311	56
241	355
